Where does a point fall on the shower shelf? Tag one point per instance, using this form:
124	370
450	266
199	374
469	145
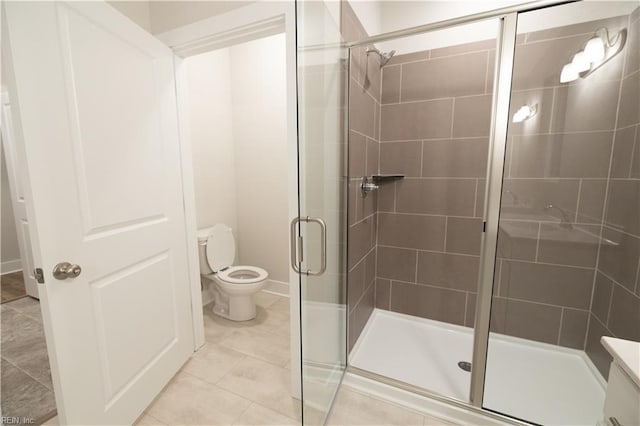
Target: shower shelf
371	183
385	178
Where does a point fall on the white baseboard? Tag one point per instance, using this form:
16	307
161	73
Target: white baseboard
280	288
10	266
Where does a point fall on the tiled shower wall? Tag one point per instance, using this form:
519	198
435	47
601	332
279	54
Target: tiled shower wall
435	119
560	158
434	125
615	310
364	110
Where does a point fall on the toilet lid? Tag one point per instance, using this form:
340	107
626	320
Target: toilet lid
221	247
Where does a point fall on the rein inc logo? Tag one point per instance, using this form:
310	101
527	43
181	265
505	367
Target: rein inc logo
9	420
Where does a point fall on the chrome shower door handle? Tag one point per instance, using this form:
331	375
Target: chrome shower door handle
297	243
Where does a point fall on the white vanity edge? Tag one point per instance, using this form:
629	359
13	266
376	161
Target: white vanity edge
626	353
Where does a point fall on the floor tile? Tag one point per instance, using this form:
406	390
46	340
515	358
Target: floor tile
266	320
53	421
22	396
188	400
353	408
148	420
264	383
212	362
282	305
28	306
269	347
259	415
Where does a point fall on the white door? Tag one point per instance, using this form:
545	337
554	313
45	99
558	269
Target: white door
13	160
95	97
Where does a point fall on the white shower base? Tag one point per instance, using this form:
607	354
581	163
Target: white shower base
532	381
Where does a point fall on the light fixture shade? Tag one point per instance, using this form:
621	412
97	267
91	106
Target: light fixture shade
569	73
524	113
594	50
580	62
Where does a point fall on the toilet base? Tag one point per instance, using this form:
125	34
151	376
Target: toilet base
235	308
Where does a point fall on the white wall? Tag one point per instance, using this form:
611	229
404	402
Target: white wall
211	134
138	11
9	248
167	15
260	135
386	16
238	126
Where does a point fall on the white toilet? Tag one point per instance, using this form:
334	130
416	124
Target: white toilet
236	285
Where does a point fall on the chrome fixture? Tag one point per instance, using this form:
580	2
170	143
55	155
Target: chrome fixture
368	185
384	56
565	222
297	253
516	200
599	50
372	183
65	270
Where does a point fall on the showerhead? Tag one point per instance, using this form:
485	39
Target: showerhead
384	56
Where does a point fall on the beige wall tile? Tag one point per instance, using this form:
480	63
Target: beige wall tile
573	329
401	158
396	263
527	320
624	318
472	116
459	272
461	75
620	260
428	302
391	84
455	197
416	120
552	284
583	155
464	235
411	231
455	158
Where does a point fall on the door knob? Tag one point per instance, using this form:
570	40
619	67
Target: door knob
65	270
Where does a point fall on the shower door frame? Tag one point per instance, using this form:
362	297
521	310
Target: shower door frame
505	51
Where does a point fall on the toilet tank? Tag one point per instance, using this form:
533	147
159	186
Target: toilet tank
203	235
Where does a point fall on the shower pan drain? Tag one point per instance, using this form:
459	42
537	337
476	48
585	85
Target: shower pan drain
466	366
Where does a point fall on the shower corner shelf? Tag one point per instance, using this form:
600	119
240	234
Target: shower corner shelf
372	183
385	178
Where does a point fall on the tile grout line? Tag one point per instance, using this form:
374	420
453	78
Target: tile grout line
575	216
633	151
560	325
538	241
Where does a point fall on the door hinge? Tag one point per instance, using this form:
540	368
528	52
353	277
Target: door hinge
39	275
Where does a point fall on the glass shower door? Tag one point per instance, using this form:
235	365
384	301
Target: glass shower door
321	257
568	233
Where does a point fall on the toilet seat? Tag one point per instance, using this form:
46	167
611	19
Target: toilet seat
238	275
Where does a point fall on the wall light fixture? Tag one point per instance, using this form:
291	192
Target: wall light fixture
599	50
525	112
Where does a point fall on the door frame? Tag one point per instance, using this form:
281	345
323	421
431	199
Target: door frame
17	180
256	20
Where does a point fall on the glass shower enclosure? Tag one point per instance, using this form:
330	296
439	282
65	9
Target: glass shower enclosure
485	182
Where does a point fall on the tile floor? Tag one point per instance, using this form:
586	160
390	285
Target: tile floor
242	377
12	286
27	390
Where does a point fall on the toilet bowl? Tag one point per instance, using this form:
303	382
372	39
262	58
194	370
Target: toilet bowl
235	285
